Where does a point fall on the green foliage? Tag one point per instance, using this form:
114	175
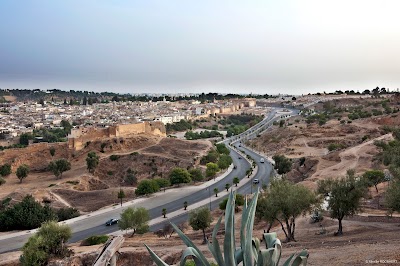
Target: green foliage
178	126
249	252
95	240
282	164
130	177
5	169
179	176
236	180
135	219
164	212
2	181
196	174
24	139
224	161
114	157
49	241
211	157
216	190
22	172
239	201
190	135
392	197
162	182
374	177
52	151
236	124
200	219
146	187
212	169
67	213
222	149
25	215
284	202
336	146
58	167
227	186
344	196
92	160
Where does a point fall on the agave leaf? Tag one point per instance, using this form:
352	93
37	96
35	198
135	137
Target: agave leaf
273	242
248	258
287	262
301	258
189	251
214	247
238	256
256	248
155	258
265	257
229	240
189	243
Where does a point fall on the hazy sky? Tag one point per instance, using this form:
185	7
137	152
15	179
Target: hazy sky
192	46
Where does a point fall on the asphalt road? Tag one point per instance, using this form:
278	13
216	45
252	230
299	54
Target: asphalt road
95	225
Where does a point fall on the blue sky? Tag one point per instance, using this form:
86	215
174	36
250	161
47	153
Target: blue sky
194	46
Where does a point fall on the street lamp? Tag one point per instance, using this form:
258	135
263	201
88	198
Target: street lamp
209	195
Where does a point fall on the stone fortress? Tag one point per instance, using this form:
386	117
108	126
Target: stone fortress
80	136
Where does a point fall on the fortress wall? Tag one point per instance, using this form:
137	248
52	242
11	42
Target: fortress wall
129	129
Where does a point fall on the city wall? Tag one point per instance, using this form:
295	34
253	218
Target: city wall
79	137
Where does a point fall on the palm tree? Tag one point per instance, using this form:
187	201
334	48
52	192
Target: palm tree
185	204
164	212
216	192
227	186
236	181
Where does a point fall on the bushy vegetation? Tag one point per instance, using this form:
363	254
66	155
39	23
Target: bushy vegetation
95	240
336	146
236	124
50	241
190	135
146	187
5	169
182	125
282	164
114	157
179	176
30	214
135	219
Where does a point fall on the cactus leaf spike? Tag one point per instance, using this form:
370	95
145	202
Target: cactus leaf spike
192	252
287	262
229	240
189	243
248	258
301	258
155	258
214	247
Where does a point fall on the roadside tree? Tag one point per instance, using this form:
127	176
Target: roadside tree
146	187
179	176
196	174
200	219
135	219
212	170
236	181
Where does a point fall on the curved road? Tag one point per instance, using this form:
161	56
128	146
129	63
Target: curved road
94	225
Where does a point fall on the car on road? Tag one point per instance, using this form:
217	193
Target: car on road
256	181
262	160
111	222
239	157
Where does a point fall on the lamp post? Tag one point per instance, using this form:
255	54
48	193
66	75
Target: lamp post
209	195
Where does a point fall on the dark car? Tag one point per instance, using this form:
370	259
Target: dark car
111	222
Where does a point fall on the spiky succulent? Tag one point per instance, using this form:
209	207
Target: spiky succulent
249	253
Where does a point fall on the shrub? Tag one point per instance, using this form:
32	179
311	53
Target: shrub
110	172
94	240
5	169
147	187
2	181
72	182
114	157
67	213
162	182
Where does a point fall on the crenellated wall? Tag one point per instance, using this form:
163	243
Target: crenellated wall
79	137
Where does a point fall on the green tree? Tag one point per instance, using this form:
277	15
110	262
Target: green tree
392	197
216	190
49	241
236	181
374	177
200	219
222	149
224	161
146	187
135	219
282	164
227	186
67	126
212	170
164	212
196	174
24	139
290	201
5	169
343	196
179	176
92	160
58	167
52	151
22	172
185	205
162	182
121	195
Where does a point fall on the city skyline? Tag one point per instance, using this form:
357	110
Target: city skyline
259	47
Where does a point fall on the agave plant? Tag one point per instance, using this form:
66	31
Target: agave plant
249	252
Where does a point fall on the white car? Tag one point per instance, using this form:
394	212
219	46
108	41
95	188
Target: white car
256	181
262	160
